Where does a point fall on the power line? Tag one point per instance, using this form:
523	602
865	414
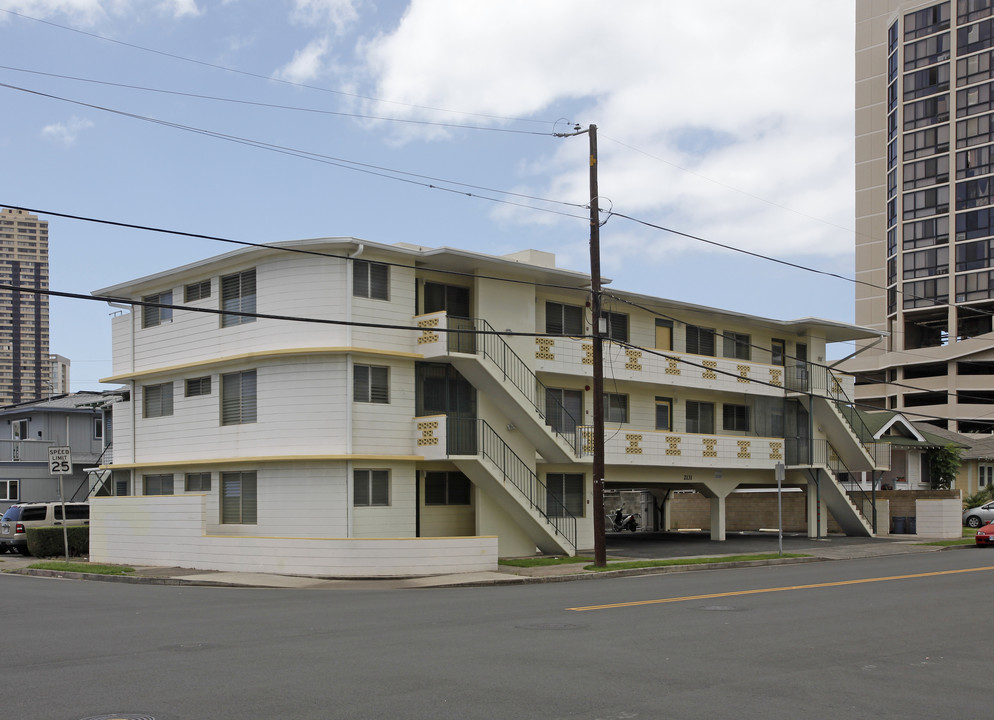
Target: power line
276	106
280	248
267	77
355	166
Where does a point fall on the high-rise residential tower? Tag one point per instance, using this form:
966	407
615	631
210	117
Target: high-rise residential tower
925	208
24	354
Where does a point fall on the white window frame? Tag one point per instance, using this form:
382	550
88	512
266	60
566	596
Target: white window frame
159	484
370	280
239	489
10	490
154	316
238	294
239	398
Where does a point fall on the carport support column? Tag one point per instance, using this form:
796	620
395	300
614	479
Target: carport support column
718	517
817	513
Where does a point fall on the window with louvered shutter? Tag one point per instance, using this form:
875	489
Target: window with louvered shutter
151	315
700	341
370	384
157	485
735	417
238	398
370	280
157	400
563	319
198	482
238	295
700	417
197	291
198	386
238	498
617	326
564	490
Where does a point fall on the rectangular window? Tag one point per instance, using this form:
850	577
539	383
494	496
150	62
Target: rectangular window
737	345
778	351
735	417
198	386
447	488
238	498
615	408
9	489
152	315
930	111
700	341
370	280
157	400
370	487
925	263
451	299
238	295
664	413
924	233
198	482
563	409
197	291
157	485
564	491
98	428
930	141
19	429
926	81
563	319
930	171
925	22
616	326
239	398
926	293
370	384
973	162
971	38
700	417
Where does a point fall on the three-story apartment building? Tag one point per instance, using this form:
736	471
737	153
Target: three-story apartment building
335	406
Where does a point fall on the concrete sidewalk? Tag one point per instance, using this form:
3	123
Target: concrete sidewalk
839	548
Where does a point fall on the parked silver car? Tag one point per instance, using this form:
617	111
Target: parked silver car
977	516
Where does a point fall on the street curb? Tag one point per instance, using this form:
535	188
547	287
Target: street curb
131	579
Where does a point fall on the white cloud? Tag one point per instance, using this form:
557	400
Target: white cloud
91	12
337	13
66	133
307	64
755	96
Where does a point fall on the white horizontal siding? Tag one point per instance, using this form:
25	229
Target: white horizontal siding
398	519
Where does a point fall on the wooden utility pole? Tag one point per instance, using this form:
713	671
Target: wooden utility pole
600	554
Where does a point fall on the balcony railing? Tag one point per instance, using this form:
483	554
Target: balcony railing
477	337
24	450
821	452
664	448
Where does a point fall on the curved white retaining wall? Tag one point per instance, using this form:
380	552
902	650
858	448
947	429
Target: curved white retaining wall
170	531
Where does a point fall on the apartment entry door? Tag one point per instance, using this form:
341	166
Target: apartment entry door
441	390
453	300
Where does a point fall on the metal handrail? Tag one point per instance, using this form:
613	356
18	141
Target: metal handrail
805	379
473	436
822	453
485	341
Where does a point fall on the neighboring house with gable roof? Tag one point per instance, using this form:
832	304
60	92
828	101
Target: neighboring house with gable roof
28	429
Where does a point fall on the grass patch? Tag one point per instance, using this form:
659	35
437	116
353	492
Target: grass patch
946	543
637	564
81	567
542	561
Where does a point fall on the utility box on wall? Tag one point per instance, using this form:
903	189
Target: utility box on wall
641	502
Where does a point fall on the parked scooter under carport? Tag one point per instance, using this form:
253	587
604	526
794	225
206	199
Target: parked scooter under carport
620	521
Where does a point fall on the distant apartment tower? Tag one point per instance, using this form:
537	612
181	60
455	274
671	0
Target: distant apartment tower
24	355
58	374
925	208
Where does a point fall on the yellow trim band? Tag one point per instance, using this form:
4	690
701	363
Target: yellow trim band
263	355
191	462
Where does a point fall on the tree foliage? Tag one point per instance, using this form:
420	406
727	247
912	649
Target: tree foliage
943	465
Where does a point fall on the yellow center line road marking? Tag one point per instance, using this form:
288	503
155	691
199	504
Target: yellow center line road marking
776	589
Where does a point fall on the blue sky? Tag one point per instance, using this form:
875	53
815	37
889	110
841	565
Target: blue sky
727	120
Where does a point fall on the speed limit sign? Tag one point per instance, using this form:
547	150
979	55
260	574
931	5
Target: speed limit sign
60	460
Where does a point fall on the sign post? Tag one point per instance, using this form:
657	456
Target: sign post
60	463
780	471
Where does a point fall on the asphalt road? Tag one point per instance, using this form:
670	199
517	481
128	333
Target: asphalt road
891	637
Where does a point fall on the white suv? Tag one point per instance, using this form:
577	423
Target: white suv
15	522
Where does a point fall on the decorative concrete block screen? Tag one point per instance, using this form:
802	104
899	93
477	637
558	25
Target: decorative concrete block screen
170	531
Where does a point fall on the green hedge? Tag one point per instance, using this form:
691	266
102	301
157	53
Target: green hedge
47	541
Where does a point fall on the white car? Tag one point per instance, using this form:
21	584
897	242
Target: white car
977	516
